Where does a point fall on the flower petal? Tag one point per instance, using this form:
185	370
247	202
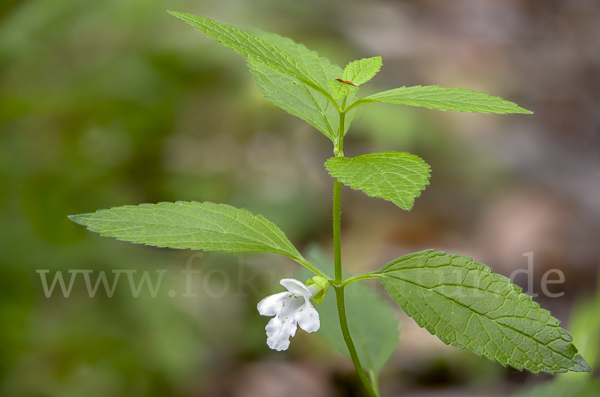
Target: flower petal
296	287
279	332
308	318
271	305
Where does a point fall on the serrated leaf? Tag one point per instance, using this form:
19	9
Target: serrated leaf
295	97
253	47
357	72
323	69
394	176
467	306
320	67
340	89
372	322
291	94
446	98
362	70
190	225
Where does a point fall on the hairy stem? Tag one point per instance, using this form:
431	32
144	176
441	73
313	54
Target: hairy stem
337	211
341	306
339	289
337	249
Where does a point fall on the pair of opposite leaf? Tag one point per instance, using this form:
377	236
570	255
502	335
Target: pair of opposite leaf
458	300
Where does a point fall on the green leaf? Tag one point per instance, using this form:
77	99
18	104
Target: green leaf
320	67
446	98
190	225
584	324
295	97
397	177
340	89
253	47
467	306
283	58
372	322
362	70
357	72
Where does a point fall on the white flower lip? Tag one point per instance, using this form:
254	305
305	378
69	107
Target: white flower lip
291	309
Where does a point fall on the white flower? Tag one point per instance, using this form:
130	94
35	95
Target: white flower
291	308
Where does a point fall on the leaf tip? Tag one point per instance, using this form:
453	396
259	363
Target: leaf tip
407	206
580	365
184	16
79	218
524	111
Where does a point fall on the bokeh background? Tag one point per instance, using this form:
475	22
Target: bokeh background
114	102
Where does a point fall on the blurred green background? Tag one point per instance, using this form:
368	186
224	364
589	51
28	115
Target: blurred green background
107	103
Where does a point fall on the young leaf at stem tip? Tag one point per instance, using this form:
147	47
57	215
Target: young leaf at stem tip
468	306
362	70
356	73
340	89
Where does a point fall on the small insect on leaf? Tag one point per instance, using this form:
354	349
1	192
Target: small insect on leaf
347	82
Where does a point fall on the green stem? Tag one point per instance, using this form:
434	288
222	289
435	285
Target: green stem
339	290
337	210
341	305
337	249
373	377
338	150
364	276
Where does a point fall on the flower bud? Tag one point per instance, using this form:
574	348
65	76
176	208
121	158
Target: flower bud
320	285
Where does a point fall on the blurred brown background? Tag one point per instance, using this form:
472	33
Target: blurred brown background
107	103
